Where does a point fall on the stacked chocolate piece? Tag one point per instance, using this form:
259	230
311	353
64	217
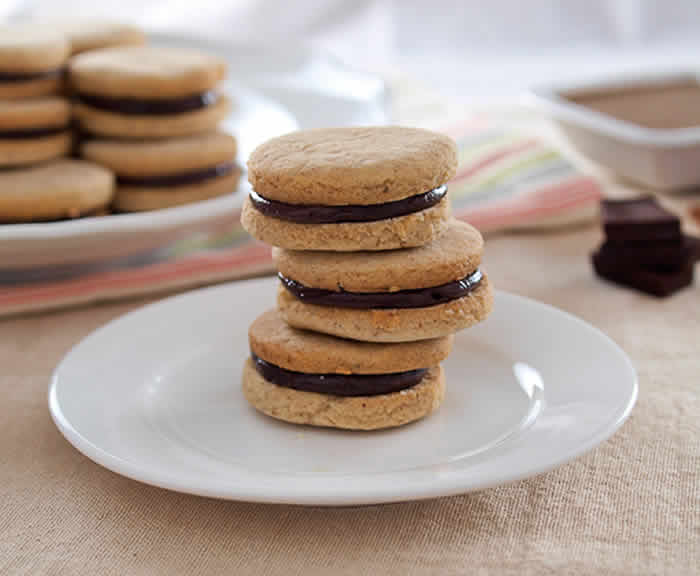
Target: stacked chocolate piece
151	114
374	277
644	247
36	182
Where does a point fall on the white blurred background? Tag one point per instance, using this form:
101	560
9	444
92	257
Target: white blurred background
472	50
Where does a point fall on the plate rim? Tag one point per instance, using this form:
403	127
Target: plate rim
455	485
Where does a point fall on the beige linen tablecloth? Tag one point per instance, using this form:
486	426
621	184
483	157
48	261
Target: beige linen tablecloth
632	506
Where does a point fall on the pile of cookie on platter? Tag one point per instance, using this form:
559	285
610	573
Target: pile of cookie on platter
374	276
94	120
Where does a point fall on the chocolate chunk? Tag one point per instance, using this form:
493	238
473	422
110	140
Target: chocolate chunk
339	384
639	219
152	107
655	283
660	256
418	298
182	179
322	214
31	133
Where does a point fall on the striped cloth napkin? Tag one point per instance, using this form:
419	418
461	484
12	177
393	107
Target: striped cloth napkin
506	180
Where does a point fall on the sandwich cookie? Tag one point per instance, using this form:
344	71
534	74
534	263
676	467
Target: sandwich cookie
310	378
32	61
33	131
163	173
349	189
394	296
148	92
53	191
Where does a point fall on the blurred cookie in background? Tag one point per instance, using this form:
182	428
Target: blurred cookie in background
95	35
32	61
165	173
57	190
147	92
34	130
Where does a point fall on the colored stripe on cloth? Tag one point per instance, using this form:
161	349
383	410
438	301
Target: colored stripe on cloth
505	181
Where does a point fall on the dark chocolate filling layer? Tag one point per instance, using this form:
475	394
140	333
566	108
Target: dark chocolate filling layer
152	107
31	133
339	384
418	298
29	76
182	179
322	214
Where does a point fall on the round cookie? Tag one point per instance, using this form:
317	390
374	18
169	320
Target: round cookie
148	92
96	35
34	131
164	173
352	188
59	189
299	354
351	165
32	59
393	296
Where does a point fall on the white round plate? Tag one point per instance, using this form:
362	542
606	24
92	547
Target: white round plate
274	90
156	396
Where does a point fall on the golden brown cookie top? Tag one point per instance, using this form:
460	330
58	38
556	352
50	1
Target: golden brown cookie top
87	35
63	188
34	113
452	256
352	165
156	157
276	342
28	48
148	72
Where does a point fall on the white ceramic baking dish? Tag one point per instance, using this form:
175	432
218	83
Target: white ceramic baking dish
660	151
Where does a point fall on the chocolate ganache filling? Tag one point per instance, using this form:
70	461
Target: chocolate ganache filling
31	132
417	298
338	384
29	76
152	107
323	214
182	179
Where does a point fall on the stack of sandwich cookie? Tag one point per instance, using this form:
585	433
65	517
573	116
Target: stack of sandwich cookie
162	173
36	183
152	114
374	276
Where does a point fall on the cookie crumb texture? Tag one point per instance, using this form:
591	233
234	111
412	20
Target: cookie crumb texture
59	189
352	165
352	413
397	325
454	255
408	231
